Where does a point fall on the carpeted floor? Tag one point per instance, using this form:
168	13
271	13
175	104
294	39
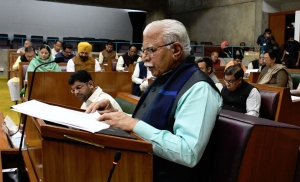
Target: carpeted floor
5	102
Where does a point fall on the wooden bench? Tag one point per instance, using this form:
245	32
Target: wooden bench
219	71
295	73
253	77
13	56
127	101
53	87
287	110
23	68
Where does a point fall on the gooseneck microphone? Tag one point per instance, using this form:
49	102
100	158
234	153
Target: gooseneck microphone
19	168
117	157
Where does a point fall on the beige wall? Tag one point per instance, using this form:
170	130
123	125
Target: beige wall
232	22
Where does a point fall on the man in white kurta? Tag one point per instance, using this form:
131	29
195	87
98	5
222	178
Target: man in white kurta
82	85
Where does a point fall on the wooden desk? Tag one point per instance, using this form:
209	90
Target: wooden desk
62	154
53	86
12	57
253	77
210	49
4	144
287	111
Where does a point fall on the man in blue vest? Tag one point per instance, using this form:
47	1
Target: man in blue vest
140	78
177	112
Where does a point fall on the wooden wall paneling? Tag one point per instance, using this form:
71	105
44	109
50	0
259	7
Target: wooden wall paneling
277	25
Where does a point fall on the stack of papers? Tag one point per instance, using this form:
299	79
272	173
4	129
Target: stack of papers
294	98
60	115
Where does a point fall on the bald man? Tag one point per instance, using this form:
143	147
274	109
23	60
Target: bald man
83	61
27	43
215	59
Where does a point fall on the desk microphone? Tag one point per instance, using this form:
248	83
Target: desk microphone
56	60
115	162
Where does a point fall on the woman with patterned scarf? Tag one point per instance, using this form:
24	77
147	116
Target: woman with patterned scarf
274	74
44	56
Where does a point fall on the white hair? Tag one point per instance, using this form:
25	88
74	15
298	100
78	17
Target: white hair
172	31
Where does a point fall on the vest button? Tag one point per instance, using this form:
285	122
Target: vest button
153	89
144	104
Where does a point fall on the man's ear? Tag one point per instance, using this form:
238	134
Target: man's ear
91	84
209	70
177	50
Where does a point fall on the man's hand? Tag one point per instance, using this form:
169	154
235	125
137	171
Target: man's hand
103	106
144	79
120	120
125	68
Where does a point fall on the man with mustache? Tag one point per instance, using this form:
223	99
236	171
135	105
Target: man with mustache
83	61
177	112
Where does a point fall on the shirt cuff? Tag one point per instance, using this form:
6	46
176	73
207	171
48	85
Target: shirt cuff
144	130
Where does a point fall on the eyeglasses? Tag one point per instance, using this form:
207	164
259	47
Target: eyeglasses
68	52
229	82
265	58
151	50
77	88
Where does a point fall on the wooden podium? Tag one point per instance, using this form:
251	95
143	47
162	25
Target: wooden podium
56	153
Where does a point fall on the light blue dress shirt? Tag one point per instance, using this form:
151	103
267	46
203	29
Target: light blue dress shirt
195	117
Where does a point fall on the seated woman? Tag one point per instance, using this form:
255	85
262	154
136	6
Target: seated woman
44	56
274	73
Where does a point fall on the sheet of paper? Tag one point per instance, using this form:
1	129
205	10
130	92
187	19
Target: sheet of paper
251	70
294	98
60	115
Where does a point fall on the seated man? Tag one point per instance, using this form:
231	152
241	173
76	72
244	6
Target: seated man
82	85
225	52
205	64
13	83
66	52
83	61
239	95
107	54
56	48
27	43
237	60
215	59
241	50
257	63
140	78
128	58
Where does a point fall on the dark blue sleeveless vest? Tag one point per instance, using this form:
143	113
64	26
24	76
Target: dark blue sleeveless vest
143	74
160	114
